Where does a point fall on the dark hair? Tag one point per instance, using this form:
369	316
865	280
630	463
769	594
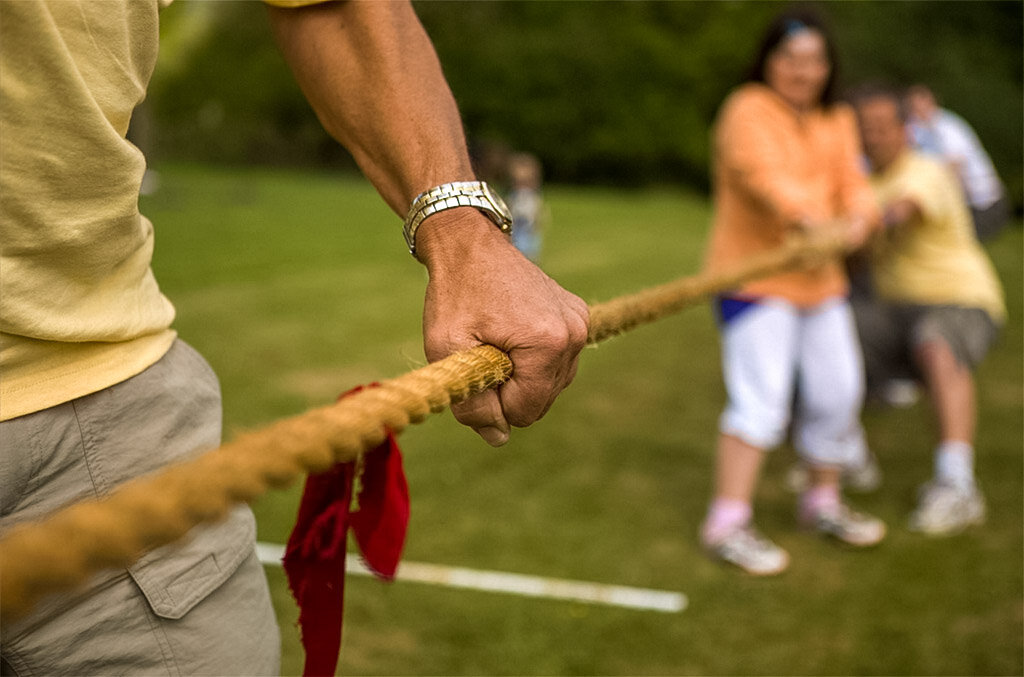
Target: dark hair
782	27
921	88
879	89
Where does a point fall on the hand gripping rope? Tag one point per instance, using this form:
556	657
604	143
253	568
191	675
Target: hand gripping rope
67	547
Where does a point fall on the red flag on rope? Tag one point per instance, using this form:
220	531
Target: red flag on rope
314	559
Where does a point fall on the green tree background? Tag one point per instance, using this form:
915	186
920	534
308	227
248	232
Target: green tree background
603	92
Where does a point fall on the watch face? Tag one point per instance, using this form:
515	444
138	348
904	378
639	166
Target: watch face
498	203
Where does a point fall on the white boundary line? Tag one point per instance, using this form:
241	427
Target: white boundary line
515	584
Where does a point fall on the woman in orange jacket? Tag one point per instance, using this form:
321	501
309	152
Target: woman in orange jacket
787	159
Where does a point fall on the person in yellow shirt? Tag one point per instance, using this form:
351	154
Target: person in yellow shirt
786	160
939	303
96	386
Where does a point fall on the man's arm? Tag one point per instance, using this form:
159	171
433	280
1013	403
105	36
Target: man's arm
900	212
374	80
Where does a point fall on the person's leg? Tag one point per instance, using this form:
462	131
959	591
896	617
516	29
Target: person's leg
759	368
951	501
737	469
828	433
198	607
758	360
949	343
951	390
882	344
824	490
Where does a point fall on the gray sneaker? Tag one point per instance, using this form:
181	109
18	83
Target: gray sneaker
861	479
945	509
750	551
846	525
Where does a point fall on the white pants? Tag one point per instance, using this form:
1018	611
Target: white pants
774	347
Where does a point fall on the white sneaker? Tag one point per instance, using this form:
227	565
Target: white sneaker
798	478
846	525
945	509
901	393
863	478
750	551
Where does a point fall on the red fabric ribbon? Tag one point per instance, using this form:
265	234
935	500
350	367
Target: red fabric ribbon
314	559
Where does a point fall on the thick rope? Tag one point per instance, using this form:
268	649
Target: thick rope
66	548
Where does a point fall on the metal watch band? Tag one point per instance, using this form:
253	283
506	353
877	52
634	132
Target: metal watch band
449	196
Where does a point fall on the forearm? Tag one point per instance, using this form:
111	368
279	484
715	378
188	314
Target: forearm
374	80
901	212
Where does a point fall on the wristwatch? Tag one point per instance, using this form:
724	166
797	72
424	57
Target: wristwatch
451	195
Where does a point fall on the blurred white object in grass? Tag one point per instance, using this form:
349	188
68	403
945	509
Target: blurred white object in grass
514	584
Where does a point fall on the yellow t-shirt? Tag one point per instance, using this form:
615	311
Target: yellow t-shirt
936	260
79	307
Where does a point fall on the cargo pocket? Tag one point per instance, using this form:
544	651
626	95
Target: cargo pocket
176	577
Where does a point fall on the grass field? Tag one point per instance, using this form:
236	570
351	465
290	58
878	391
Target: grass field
296	287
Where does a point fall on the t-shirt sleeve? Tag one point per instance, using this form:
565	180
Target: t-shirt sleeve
959	142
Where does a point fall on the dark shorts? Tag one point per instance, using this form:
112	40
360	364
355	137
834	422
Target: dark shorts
991	220
890	334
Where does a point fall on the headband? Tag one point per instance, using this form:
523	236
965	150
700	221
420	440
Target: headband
794	26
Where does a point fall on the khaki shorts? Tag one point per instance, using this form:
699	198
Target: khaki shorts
889	334
198	608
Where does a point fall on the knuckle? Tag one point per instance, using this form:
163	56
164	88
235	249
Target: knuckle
561	333
557	335
580	330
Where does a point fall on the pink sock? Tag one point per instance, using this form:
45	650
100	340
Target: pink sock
724	515
819	498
